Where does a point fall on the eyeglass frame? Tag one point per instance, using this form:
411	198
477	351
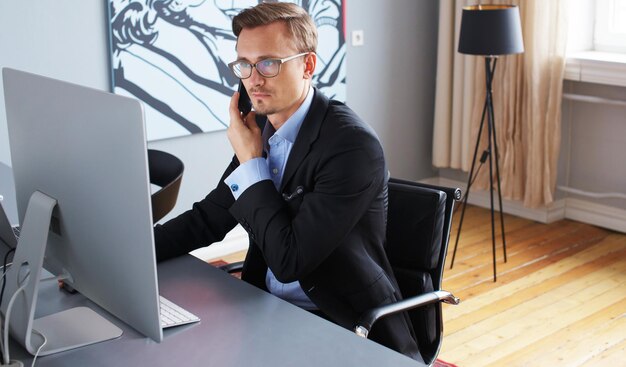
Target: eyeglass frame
254	66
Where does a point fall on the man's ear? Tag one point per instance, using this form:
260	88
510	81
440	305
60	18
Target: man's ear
310	61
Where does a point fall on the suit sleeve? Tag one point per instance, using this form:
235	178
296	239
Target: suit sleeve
207	222
348	177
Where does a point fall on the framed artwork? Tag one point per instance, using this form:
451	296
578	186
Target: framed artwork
173	55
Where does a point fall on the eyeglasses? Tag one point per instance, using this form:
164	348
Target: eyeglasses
268	68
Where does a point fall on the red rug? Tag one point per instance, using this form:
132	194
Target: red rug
438	363
218	263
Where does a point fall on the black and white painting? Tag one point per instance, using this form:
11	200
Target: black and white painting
174	54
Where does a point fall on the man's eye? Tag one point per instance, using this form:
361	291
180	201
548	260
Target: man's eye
267	63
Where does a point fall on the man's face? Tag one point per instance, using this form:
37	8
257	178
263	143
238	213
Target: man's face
280	96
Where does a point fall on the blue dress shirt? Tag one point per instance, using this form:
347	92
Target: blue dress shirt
277	146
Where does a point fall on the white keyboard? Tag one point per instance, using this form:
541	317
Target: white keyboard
174	315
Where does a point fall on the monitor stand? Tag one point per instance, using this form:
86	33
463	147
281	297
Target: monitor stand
64	330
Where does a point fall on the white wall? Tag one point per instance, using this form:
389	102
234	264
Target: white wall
61	39
391	79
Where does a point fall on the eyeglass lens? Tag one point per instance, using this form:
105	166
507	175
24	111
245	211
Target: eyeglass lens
267	68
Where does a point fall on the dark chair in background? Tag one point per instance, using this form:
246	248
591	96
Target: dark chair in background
166	171
419	218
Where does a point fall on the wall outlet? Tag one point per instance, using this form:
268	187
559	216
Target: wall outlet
357	38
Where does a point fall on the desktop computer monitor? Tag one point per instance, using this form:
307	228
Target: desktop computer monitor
85	149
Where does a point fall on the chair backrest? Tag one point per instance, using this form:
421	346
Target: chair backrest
453	194
166	171
418	228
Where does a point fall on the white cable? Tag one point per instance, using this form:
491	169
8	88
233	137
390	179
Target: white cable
6	322
2	267
4	274
45	340
1	339
4	340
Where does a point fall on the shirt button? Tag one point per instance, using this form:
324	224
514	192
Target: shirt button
234	187
275	171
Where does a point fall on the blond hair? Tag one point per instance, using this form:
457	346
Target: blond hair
300	25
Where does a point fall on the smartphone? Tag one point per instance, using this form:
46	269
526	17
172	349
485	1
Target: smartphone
245	105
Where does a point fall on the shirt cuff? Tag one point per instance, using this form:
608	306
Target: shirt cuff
246	175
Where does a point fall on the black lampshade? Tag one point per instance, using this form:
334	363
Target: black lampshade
491	30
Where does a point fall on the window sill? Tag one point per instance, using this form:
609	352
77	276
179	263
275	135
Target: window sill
596	67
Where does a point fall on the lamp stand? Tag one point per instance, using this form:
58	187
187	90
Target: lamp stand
490	68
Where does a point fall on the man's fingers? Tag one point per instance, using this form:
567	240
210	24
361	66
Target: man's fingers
250	121
233	110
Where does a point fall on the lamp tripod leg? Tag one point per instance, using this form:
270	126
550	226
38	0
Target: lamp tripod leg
469	183
492	147
489	72
495	146
493	226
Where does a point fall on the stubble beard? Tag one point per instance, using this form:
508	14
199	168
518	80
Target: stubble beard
263	109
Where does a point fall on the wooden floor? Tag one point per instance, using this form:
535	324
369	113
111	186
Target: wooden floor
560	300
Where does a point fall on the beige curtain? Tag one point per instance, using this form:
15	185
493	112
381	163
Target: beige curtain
527	92
454	93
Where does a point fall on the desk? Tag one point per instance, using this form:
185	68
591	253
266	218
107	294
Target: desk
241	326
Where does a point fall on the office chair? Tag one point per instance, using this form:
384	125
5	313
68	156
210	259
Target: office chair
166	171
419	218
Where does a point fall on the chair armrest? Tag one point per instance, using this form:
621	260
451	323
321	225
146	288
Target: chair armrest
232	267
365	323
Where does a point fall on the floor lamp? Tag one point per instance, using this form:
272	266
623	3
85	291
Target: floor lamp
489	31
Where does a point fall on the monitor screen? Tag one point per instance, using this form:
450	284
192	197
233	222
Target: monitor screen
86	149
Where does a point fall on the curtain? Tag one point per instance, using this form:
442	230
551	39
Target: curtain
527	91
454	92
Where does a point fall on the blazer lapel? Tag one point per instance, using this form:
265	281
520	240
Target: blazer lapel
309	131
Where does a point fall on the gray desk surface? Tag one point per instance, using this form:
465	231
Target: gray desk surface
241	326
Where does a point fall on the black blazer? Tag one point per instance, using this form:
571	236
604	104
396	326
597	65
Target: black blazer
325	227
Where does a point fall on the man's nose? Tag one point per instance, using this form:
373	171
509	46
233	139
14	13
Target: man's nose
256	79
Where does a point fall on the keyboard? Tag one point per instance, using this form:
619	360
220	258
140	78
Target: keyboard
174	315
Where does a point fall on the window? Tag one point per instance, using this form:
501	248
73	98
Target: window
597	25
596	48
610	26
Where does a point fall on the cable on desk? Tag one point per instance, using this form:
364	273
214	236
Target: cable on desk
45	340
6	322
4	274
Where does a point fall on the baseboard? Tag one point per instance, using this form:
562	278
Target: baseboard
235	241
551	213
596	214
568	208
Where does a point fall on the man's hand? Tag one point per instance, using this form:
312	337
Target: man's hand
243	133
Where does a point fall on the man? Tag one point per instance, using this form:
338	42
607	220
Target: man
314	206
